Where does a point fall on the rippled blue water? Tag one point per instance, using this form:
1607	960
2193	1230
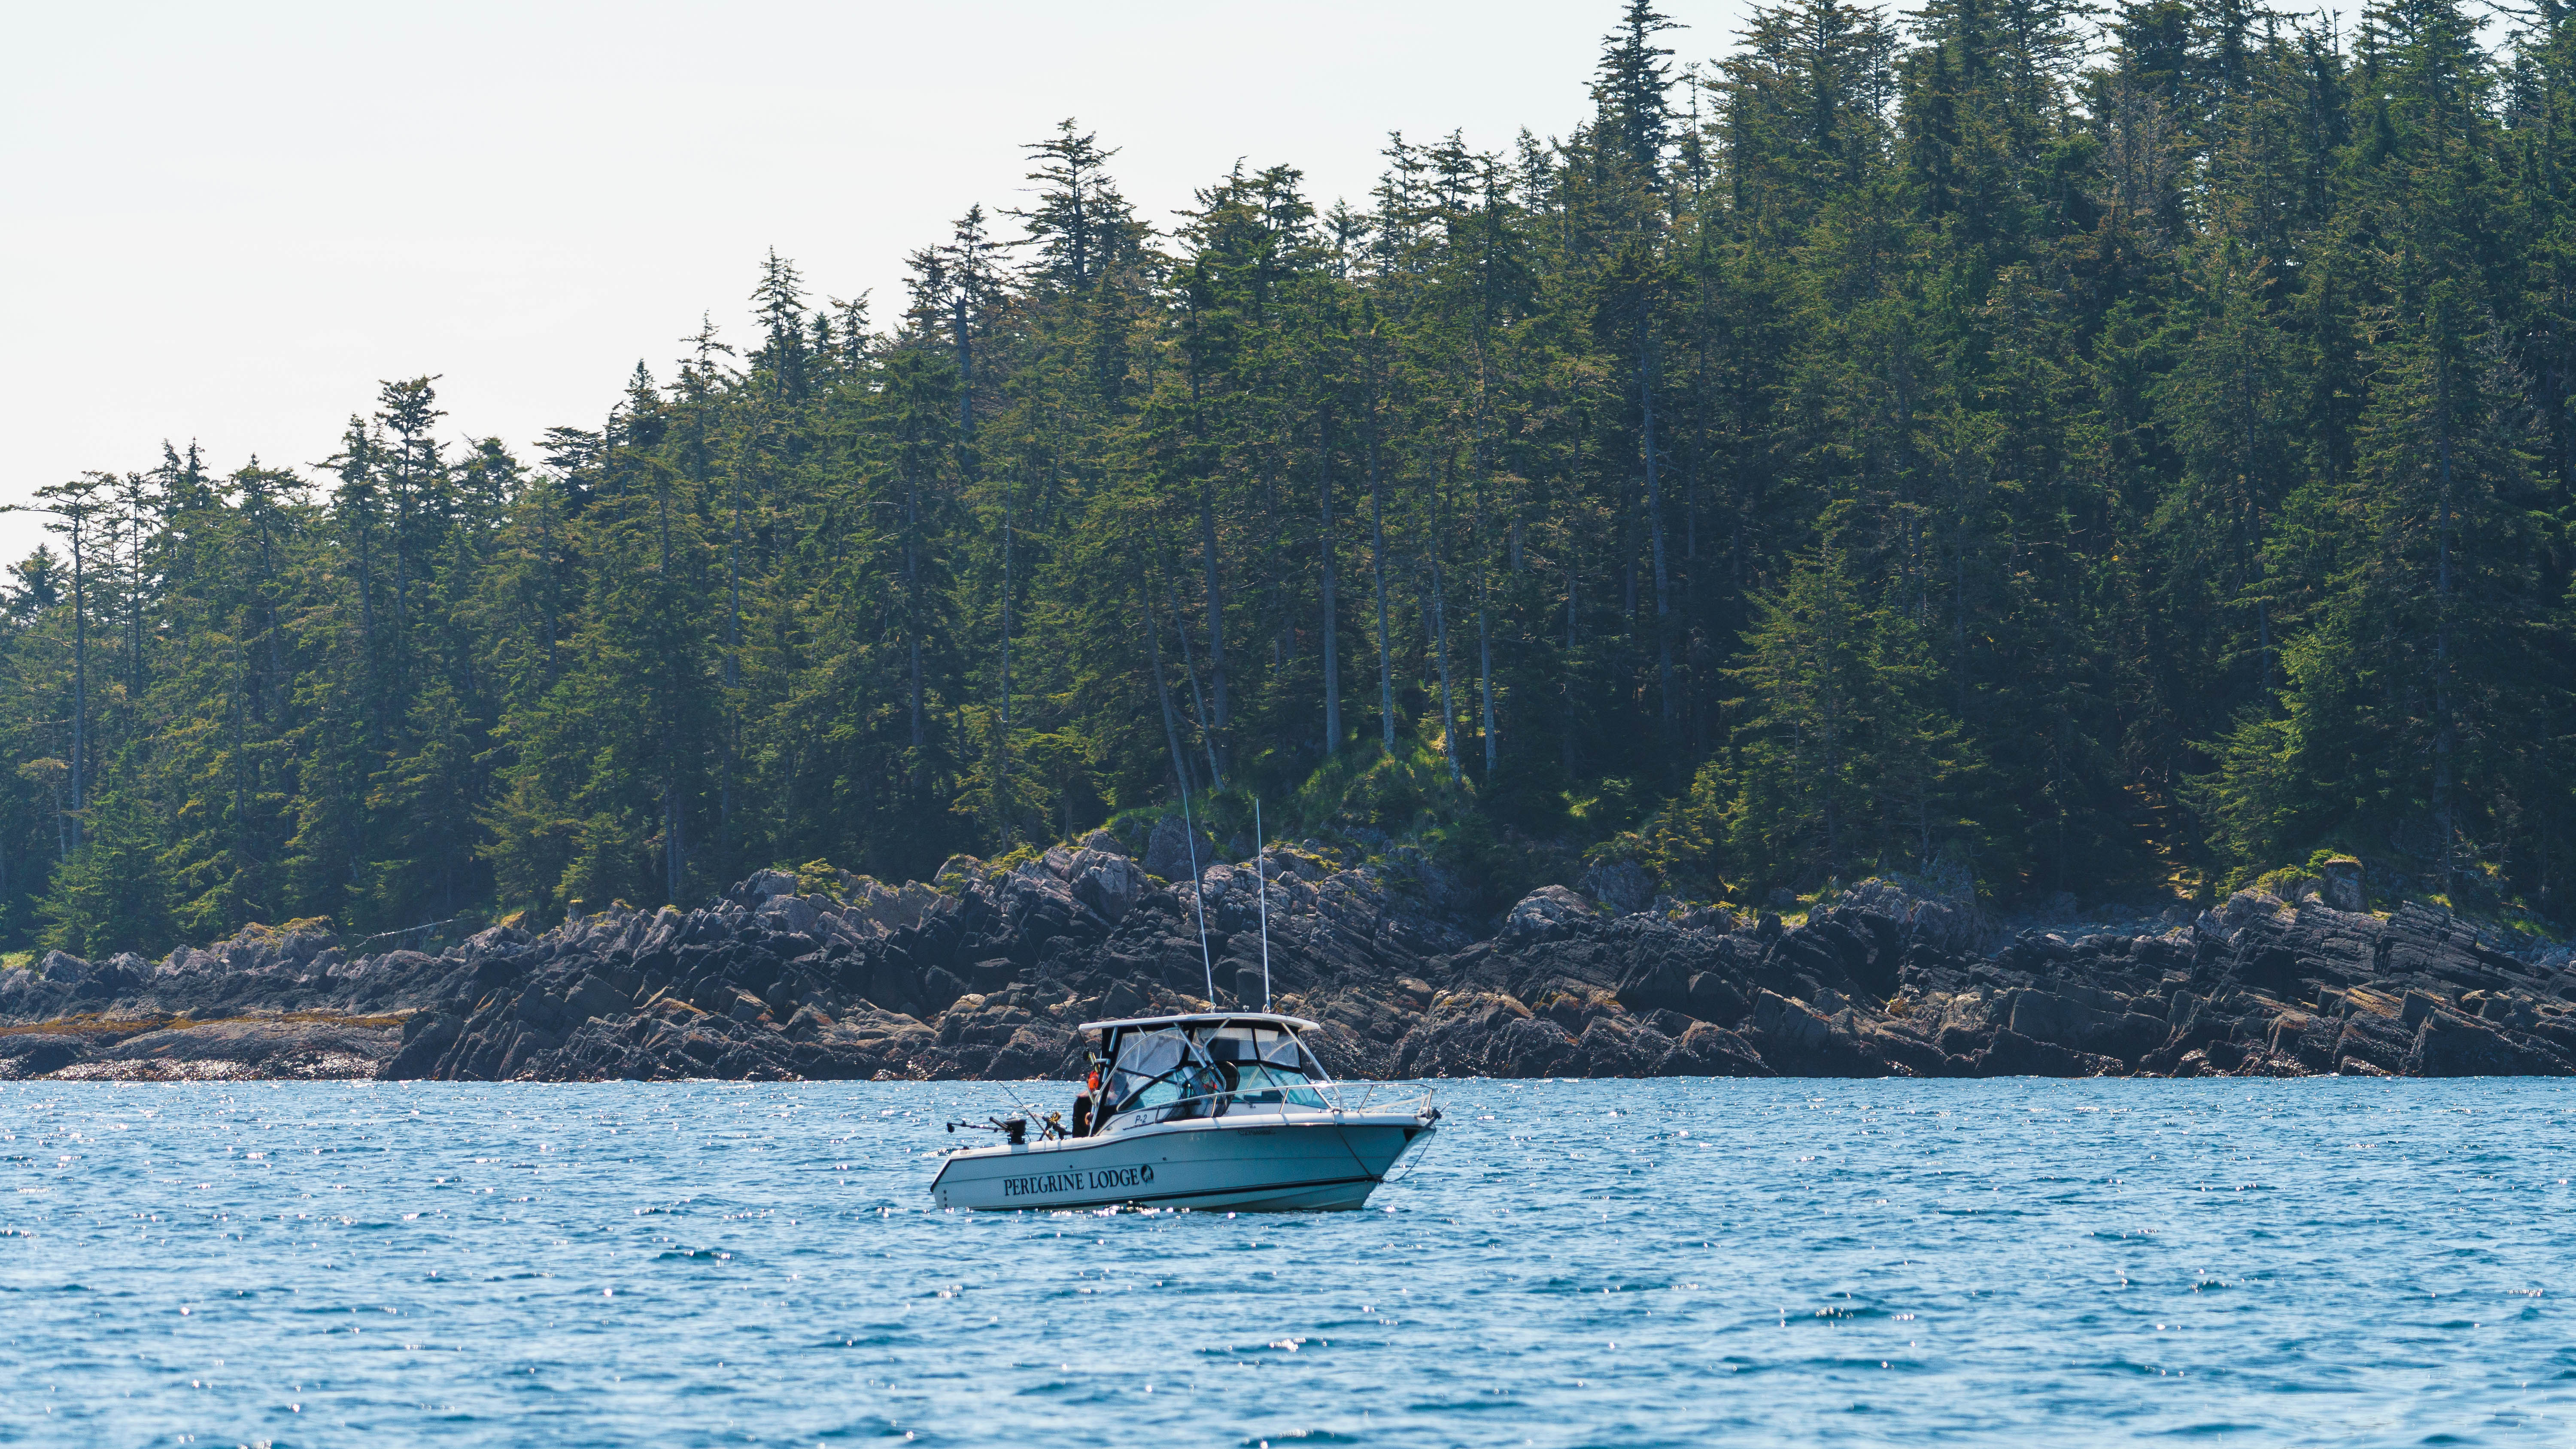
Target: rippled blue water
2330	1262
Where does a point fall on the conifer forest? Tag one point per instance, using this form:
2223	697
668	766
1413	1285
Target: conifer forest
2072	450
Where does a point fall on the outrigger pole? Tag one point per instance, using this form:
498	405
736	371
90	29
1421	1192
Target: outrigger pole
1198	894
1261	893
1181	777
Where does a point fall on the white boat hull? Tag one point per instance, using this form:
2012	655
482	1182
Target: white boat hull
1322	1162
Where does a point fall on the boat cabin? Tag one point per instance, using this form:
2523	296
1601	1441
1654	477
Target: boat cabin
1208	1065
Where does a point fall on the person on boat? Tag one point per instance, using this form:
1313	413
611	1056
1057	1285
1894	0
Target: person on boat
1200	1087
1082	1103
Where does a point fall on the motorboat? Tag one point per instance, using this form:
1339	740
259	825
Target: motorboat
1228	1110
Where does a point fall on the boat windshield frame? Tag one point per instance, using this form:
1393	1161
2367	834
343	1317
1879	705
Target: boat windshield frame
1210	1088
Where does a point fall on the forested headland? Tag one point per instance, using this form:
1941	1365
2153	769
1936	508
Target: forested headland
2069	451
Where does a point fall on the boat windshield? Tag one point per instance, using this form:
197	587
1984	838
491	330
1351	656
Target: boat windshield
1256	1086
1218	1070
1260	1066
1154	1070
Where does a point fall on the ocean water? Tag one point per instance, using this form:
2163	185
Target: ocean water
1572	1263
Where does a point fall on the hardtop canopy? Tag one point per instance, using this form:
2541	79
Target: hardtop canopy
1205	1018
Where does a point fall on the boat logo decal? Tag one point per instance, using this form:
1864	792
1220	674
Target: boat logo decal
1046	1183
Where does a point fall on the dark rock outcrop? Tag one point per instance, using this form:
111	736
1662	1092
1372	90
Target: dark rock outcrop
988	975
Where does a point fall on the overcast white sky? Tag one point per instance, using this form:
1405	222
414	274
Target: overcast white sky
227	221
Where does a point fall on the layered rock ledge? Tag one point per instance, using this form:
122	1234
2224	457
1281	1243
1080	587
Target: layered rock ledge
987	974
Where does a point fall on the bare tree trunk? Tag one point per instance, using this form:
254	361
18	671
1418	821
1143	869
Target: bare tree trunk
1485	657
1959	606
733	653
965	373
545	590
351	828
1198	702
1655	527
241	752
1162	689
1002	782
674	851
1377	567
912	593
402	575
2254	525
2442	729
1283	648
1628	554
1332	651
1571	615
80	682
366	595
2263	639
1440	642
133	500
1215	623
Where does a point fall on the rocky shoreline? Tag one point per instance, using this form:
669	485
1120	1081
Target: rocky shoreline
985	974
